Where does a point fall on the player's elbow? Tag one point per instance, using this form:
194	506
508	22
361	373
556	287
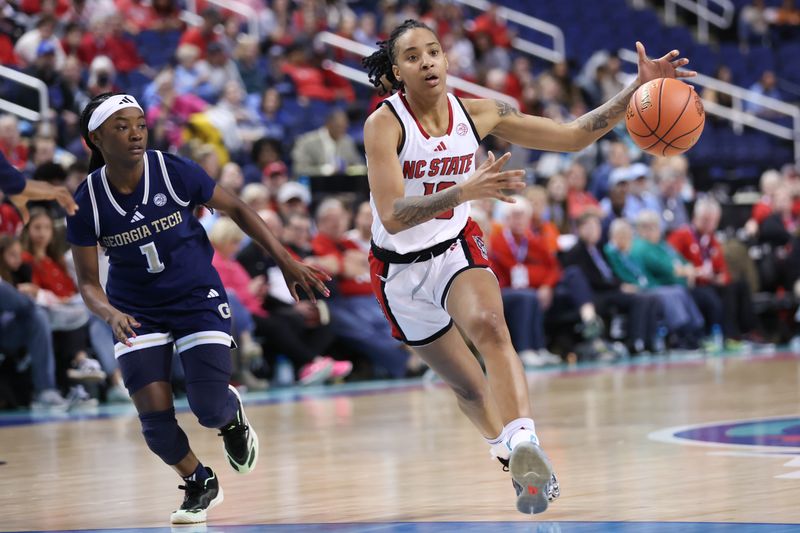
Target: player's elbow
391	225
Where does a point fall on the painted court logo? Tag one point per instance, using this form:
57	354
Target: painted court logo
778	433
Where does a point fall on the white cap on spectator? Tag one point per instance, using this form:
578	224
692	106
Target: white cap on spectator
292	189
638	170
620	175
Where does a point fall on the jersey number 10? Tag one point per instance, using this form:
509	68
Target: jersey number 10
154	264
431	188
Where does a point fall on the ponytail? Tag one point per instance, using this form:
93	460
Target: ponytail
379	64
96	161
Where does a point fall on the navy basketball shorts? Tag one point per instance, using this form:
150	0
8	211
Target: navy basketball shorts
201	318
412	288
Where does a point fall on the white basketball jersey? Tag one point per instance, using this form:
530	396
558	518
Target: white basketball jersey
430	164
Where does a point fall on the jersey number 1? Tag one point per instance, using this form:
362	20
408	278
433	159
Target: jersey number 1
431	188
154	264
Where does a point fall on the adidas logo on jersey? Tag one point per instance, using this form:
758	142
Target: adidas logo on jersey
441	147
212	294
137	216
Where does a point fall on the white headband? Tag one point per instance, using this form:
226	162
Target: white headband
111	106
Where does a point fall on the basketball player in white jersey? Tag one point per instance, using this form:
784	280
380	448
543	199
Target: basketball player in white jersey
429	264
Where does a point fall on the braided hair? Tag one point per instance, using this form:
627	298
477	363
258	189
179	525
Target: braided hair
379	64
97	159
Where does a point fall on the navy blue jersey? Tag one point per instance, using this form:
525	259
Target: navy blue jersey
158	252
11	180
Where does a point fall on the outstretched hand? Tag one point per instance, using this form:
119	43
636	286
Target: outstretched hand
665	67
490	180
308	277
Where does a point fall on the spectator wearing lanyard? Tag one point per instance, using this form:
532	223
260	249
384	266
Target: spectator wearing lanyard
532	283
699	246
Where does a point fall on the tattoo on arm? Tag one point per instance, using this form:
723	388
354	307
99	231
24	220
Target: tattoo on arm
413	210
504	108
608	114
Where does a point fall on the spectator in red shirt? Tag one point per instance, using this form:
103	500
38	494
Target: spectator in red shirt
780	231
11	142
52	287
311	81
698	244
769	183
137	15
533	283
579	200
201	36
491	23
10	221
356	317
107	38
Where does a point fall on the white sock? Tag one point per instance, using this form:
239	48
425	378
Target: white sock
497	446
519	431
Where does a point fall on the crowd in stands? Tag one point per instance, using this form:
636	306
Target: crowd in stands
607	252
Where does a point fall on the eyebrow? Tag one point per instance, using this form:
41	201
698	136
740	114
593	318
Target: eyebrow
414	47
126	119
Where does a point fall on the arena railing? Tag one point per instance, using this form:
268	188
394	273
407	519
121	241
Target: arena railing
736	114
247	13
35	83
360	76
705	16
556	54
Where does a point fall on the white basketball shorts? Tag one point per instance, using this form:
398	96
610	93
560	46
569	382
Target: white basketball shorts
412	288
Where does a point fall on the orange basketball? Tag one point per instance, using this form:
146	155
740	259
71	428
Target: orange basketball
665	117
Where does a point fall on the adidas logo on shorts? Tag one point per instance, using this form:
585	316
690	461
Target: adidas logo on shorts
212	294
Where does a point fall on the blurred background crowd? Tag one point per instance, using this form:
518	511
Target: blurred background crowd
608	253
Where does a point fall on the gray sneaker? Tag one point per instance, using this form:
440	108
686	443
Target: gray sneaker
50	399
533	478
78	398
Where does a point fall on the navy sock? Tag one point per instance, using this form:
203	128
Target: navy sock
199	475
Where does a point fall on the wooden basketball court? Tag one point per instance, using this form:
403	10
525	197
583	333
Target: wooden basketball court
704	443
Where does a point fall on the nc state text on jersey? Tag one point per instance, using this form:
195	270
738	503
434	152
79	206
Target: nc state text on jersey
143	231
444	166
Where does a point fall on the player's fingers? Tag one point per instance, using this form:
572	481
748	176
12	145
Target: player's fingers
293	291
489	160
318	272
323	290
309	292
133	322
505	198
680	62
685	73
511	174
669	56
501	161
640	51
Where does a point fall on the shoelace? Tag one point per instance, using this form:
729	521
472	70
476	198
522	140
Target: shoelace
242	428
192	488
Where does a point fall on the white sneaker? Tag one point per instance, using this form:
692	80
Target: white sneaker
531	359
88	370
50	399
549	357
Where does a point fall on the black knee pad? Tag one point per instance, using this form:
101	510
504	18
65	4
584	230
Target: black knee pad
163	435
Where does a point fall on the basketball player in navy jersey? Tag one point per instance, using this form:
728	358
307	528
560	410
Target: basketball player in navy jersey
429	265
162	290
